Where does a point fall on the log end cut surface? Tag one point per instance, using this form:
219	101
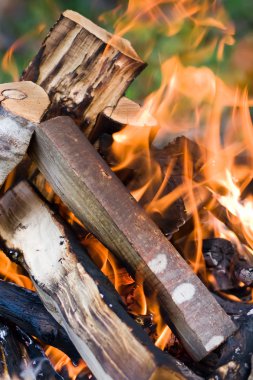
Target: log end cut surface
121	44
24	99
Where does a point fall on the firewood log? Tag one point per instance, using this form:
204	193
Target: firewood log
97	197
79	296
83	69
25	309
126	112
22	105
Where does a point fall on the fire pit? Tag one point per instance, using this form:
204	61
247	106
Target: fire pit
125	230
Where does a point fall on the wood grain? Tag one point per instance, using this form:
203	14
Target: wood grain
97	197
83	68
79	296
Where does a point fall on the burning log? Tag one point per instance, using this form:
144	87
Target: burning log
126	112
83	69
96	196
225	216
207	199
25	309
22	107
79	296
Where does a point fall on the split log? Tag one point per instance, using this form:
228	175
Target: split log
25	309
126	112
22	106
13	356
97	197
79	296
83	69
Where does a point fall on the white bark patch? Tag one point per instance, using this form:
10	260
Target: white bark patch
214	342
14	140
250	312
183	292
158	264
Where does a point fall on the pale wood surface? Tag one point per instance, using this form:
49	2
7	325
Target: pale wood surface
22	105
78	295
126	112
97	197
83	68
24	99
129	112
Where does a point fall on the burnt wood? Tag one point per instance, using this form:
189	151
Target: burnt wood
79	296
39	365
97	197
25	309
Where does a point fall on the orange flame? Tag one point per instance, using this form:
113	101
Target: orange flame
9	64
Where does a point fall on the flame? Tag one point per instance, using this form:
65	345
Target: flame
61	361
9	65
10	271
193	101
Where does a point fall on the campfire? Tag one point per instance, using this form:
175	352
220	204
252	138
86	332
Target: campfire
126	230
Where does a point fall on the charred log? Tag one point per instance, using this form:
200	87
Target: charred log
25	309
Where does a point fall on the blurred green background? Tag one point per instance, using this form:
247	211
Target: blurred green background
22	23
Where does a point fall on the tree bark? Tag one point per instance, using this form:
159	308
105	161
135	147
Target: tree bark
83	69
97	197
79	296
22	105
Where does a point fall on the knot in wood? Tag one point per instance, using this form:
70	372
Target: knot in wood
13	94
